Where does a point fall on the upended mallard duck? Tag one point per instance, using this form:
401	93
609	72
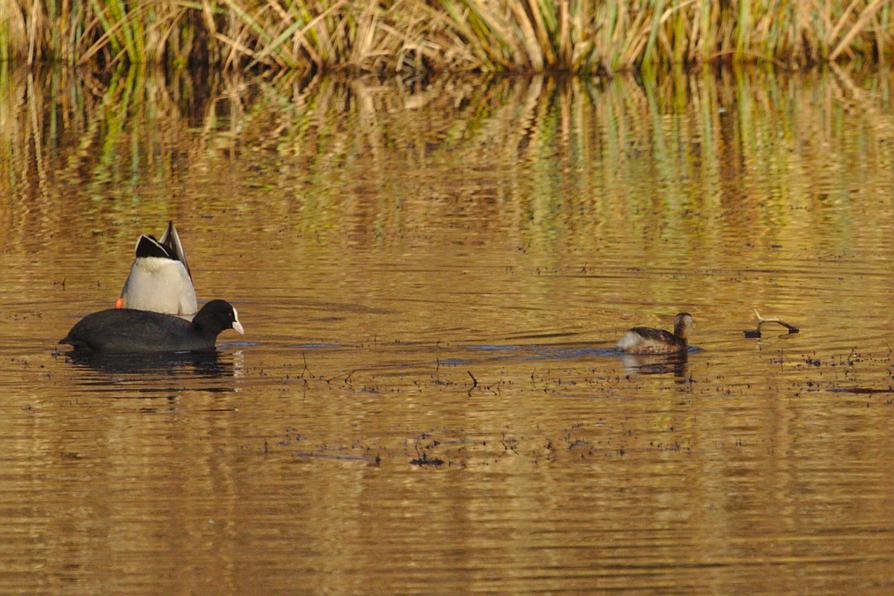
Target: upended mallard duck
160	279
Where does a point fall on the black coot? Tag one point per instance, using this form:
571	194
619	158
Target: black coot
129	330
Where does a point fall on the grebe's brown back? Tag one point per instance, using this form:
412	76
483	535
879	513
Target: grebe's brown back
646	340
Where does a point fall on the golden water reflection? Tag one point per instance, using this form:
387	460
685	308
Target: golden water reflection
431	280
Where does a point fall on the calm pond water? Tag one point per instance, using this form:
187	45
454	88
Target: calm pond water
431	280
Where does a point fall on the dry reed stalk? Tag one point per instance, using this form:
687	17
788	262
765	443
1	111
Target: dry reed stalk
484	35
857	27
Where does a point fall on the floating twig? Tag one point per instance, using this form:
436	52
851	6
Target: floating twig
474	383
761	320
305	370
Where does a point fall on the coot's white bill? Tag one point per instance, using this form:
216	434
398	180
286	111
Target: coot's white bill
237	326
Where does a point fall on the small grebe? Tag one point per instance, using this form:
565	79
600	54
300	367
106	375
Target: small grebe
646	340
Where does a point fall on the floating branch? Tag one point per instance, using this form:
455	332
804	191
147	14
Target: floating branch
474	382
761	320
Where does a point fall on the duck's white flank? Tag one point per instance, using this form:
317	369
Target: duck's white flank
156	264
160	285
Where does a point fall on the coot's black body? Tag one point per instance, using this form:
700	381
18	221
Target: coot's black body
130	330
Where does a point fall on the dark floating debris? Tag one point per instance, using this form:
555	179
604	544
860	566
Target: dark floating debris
425	460
761	320
858	390
474	383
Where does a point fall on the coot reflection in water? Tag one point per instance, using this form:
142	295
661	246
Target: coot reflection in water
191	370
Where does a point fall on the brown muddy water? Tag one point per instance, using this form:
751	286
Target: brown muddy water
431	280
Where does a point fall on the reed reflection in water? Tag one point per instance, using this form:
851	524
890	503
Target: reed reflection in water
432	279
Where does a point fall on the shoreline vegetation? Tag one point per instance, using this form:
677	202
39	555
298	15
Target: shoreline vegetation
429	36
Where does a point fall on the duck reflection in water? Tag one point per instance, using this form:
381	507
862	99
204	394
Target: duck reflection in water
657	364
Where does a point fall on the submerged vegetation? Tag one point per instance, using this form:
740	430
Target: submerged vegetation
435	35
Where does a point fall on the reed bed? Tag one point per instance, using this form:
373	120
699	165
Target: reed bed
445	35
